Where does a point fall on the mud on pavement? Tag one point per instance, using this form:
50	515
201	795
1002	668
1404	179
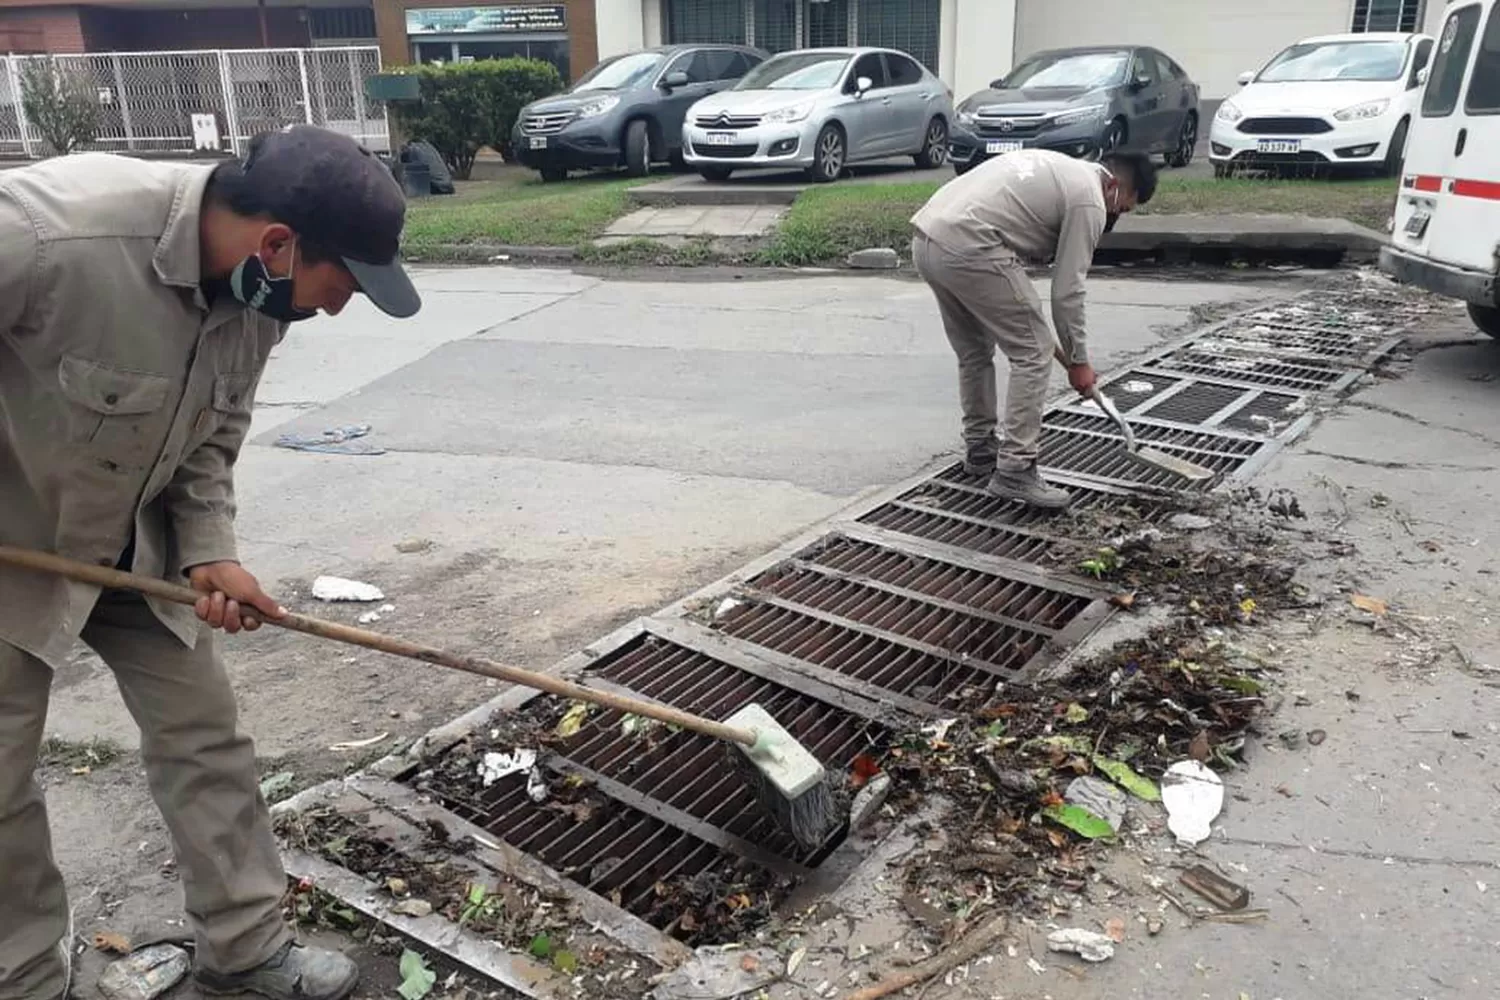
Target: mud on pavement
1000	694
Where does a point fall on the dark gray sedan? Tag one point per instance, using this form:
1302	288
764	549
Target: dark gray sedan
1083	102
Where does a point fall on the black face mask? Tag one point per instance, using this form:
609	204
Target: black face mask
1110	218
253	285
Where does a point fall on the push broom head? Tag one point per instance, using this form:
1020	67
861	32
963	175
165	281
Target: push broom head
789	781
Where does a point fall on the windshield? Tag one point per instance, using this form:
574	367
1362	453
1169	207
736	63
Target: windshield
1078	69
622	73
1327	61
796	71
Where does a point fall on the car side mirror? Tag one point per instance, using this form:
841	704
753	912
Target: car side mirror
997	84
1244	79
863	84
1139	84
676	78
1422	76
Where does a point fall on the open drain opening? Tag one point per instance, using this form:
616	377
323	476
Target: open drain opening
659	821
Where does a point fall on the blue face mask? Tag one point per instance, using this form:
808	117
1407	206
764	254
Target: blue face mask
270	296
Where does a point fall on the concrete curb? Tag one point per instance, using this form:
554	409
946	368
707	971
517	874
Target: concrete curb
1205	237
713	197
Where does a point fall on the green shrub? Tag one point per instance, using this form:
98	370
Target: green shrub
466	106
60	102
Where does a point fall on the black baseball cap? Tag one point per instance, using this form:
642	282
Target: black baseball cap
342	199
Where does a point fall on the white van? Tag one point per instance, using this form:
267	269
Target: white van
1446	236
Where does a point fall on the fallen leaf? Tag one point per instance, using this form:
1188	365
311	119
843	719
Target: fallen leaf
1124	601
1058	838
795	962
416	978
1051	798
862	770
276	785
360	744
112	942
1199	749
1080	821
1373	605
1115	928
573	720
412	908
687	921
1121	774
1076	714
749	963
1242	684
565	962
541	947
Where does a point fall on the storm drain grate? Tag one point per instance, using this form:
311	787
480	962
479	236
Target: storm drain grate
1266	413
1133	389
1293	342
1196	403
886	661
1276	373
659	783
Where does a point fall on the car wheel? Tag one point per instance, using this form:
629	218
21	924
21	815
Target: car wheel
1187	143
637	149
829	155
551	175
1395	156
1487	318
934	146
715	174
1114	137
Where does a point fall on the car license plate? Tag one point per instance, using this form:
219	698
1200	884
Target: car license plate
1279	146
997	146
539	142
721	138
1416	226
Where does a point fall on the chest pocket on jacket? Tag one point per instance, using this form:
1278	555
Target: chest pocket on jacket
115	414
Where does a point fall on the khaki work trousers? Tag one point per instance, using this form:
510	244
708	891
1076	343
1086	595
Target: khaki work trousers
987	301
202	774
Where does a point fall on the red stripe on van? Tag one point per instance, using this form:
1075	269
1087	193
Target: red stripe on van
1488	190
1428	183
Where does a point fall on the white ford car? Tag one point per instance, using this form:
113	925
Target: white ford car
1336	103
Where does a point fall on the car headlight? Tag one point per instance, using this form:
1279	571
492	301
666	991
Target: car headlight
593	109
795	113
966	117
1360	112
1229	112
1080	116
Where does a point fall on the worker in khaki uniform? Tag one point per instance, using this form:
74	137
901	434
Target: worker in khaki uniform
972	237
138	304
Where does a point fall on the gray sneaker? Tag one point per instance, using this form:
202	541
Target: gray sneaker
293	973
1027	486
979	460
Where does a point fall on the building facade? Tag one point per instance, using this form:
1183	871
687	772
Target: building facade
967	42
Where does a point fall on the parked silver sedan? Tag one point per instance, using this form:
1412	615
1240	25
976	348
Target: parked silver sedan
821	110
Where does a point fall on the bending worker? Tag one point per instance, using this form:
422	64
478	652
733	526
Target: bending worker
138	304
971	239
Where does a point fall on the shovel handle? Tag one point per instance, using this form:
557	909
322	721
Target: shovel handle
1102	401
114	579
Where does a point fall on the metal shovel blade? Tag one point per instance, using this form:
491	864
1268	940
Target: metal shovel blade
1152	456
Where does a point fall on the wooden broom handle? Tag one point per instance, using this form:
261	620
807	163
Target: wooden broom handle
114	579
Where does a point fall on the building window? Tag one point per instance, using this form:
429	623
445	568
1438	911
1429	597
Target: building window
1388	15
690	21
910	26
342	22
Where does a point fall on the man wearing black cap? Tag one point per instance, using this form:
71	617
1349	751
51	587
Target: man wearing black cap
138	305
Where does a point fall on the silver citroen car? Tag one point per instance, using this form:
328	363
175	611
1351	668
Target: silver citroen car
820	110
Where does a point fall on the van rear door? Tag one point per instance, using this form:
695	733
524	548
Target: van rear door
1430	215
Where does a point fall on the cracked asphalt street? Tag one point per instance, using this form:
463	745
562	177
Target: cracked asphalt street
566	451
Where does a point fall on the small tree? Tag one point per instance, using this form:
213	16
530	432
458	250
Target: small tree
467	106
60	103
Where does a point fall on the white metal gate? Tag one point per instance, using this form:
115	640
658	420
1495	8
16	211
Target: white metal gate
147	99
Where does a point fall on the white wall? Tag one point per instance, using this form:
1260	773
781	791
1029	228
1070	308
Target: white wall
977	38
1437	12
655	28
621	26
1214	40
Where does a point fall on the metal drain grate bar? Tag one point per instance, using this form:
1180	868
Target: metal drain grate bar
958	531
1192	441
959	637
1088	494
825	685
1276	374
1004	600
1336	346
893	666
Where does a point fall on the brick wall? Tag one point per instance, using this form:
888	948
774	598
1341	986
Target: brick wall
41	29
390	25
